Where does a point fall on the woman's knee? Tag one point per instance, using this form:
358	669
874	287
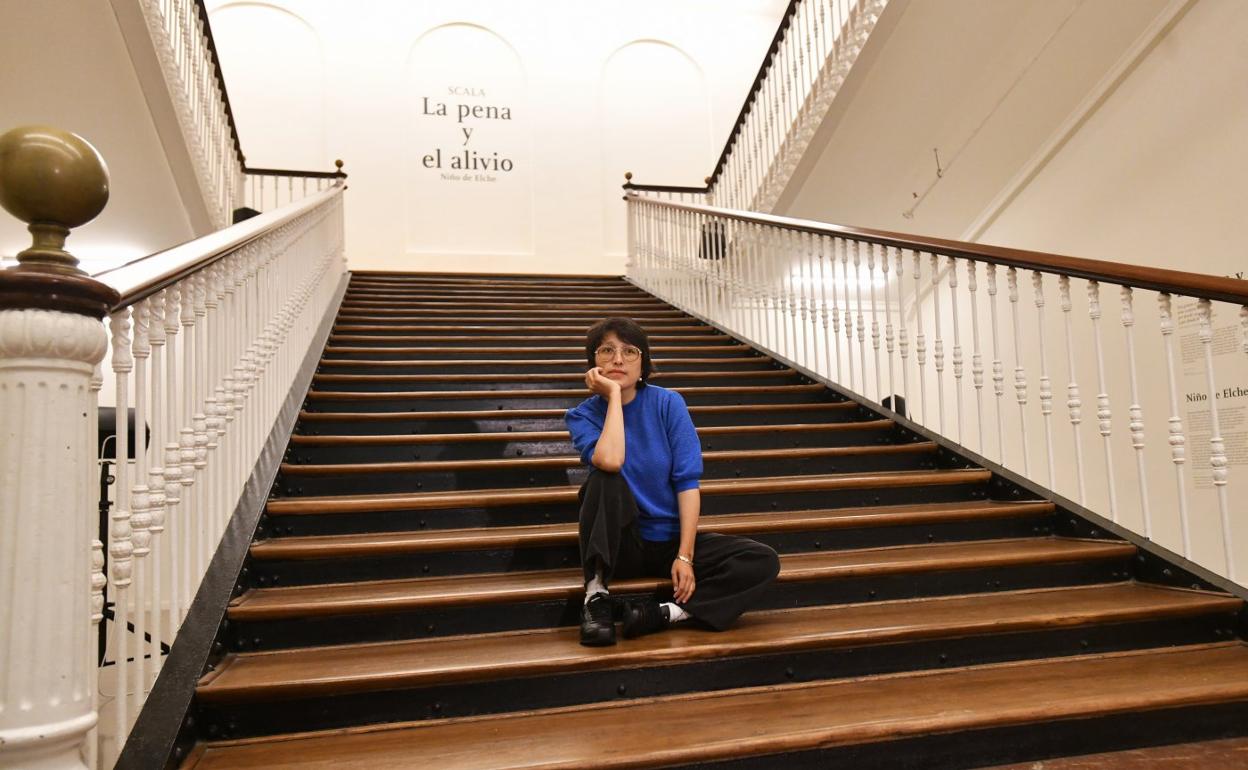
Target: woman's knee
766	562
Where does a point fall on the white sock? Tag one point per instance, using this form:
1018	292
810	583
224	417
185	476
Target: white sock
594	586
675	613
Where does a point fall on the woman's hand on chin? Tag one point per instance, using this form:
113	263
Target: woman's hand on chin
599	383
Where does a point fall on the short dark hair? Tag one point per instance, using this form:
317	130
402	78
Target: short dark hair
628	331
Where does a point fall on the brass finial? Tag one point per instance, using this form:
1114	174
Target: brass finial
628	176
706	181
338	164
54	181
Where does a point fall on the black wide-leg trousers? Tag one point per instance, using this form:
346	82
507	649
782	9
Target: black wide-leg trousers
731	573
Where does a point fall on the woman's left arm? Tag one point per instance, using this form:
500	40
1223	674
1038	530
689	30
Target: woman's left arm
683	581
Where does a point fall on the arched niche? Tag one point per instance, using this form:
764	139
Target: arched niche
469	159
274	67
656	122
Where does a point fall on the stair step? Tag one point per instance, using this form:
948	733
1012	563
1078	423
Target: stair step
655	330
623	307
577	366
535	350
499	334
575	394
565	494
773	719
573	461
518	377
703	410
480	538
537	585
545	652
562	435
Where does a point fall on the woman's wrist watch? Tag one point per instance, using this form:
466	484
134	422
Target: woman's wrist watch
686	559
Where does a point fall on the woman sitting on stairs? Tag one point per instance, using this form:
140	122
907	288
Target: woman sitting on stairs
640	505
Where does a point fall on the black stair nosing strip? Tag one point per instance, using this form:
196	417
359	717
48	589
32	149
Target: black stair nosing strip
537	535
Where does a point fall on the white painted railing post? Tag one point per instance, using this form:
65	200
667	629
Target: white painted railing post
51	339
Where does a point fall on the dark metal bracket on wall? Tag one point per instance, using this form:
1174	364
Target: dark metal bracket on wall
1154	563
165	721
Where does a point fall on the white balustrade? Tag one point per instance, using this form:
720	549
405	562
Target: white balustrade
183	44
811	293
802	73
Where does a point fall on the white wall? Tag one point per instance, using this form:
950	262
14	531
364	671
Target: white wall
66	64
592	90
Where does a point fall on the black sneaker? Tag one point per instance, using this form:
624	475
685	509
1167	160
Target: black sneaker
644	617
597	625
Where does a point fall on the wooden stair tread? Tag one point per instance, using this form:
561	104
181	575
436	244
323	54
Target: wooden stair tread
392	395
562	435
538	585
774	719
519	536
526	414
573	461
486	498
411	663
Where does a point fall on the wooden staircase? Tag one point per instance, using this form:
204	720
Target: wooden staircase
411	597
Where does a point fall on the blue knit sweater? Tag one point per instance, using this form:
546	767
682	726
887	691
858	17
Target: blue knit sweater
662	456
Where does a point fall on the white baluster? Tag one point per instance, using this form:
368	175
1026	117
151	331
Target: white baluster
902	333
1073	402
875	319
1217	448
1136	411
834	364
175	511
920	341
977	358
938	353
140	518
1046	384
1103	414
848	318
998	367
861	315
957	339
890	340
120	546
156	494
1020	375
1176	438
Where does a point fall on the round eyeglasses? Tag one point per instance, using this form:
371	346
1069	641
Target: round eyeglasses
629	353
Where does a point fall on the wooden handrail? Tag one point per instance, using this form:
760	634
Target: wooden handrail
140	278
1213	287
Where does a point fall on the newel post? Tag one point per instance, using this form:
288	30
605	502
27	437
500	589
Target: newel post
51	338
